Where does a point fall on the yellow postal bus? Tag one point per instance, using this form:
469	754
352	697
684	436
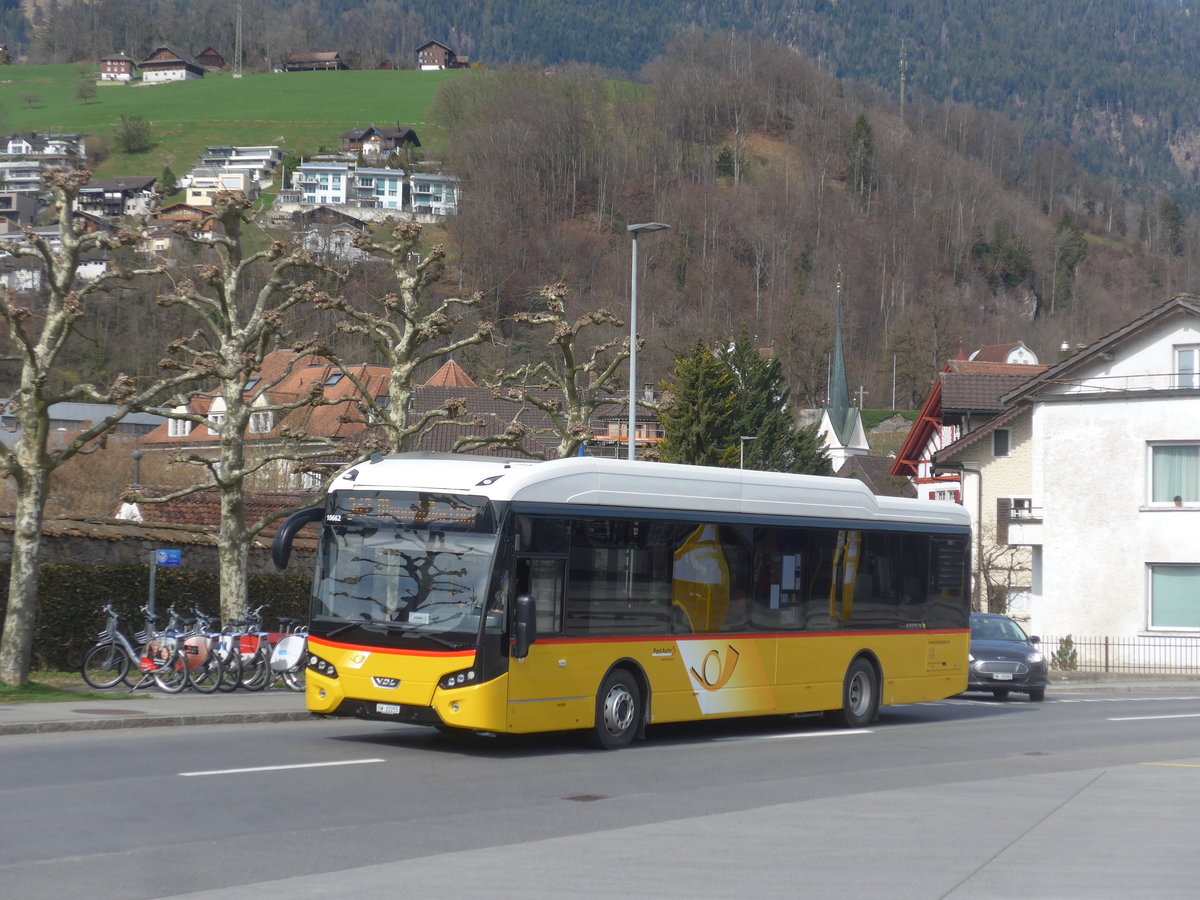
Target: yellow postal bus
516	596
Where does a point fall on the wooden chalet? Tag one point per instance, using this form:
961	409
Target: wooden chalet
375	140
433	55
210	59
315	62
167	64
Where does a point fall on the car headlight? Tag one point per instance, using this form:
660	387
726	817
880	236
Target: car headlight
1036	658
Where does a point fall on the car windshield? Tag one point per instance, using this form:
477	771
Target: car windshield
998	628
407	580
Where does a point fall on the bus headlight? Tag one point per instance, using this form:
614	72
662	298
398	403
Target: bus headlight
321	666
462	678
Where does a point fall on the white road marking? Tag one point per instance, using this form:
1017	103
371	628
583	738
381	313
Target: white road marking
1148	699
343	762
1143	718
797	734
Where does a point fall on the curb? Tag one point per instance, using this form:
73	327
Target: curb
151	722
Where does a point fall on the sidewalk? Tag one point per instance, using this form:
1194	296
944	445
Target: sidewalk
148	709
151	708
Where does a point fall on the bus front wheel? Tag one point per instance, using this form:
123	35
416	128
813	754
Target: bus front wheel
860	696
618	711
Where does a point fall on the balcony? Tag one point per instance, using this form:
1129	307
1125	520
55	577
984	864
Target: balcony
1018	523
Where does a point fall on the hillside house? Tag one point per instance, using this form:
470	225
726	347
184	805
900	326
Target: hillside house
24	156
166	64
434	55
330	233
117	67
386	140
111	197
17	208
1108	442
204	183
324	61
210	60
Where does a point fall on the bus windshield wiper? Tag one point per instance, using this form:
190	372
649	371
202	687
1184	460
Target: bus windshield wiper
407	631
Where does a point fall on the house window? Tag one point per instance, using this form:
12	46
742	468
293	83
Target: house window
1175	596
1022	507
1174	473
214	422
1000	442
178	428
261	422
1187	367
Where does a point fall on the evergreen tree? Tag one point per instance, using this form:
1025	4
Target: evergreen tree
861	153
762	411
699	418
1070	249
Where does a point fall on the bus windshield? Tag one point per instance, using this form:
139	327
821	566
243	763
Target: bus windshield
405	579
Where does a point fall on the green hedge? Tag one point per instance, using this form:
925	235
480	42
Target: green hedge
71	597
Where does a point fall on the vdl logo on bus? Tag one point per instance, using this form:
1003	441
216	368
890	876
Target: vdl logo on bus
714	672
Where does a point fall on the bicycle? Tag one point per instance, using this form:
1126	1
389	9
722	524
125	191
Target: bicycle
113	658
181	657
254	650
289	659
224	646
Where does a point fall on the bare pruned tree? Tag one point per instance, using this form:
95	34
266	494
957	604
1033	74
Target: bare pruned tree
37	335
236	333
570	387
406	331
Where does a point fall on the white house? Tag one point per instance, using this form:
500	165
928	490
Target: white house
1109	441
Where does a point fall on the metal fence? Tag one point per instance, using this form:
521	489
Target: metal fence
1166	655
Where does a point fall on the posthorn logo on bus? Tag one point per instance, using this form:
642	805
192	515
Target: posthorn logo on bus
715	672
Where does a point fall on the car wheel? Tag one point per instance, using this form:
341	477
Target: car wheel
1037	696
999	693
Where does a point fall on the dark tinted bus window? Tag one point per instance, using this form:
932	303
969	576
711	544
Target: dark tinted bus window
949	577
619	577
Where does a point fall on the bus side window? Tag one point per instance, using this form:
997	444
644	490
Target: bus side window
543	580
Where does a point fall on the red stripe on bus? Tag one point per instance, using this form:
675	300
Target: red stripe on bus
397	651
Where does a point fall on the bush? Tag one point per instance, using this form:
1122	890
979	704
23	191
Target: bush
1065	657
70	599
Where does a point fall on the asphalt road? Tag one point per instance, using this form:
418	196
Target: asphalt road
1091	796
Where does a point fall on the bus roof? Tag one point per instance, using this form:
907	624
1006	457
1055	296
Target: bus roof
595	481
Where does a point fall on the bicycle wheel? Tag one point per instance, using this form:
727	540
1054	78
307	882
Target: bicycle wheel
231	672
171	675
256	670
206	677
104	666
294	677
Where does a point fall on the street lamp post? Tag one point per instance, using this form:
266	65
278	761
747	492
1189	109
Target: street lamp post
635	230
742	448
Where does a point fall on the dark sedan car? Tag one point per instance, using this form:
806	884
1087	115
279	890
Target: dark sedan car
1003	659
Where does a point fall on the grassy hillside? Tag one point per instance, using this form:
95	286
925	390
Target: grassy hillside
301	111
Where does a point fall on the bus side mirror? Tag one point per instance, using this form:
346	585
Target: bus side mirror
526	626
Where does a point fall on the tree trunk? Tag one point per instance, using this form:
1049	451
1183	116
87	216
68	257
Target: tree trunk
233	551
17	642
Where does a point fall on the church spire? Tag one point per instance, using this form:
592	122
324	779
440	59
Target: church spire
839	389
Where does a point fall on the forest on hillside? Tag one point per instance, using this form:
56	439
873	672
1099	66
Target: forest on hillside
787	190
1111	79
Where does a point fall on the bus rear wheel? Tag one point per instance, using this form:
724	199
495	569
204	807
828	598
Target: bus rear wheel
860	696
618	711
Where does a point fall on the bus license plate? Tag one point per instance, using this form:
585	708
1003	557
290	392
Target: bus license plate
387	709
1002	676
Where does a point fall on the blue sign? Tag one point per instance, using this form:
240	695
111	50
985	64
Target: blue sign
166	557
